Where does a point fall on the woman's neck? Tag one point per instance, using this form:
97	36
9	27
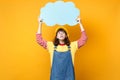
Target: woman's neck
61	42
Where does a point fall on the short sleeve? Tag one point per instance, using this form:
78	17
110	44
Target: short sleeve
74	45
50	45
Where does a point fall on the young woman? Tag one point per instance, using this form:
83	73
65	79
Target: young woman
62	51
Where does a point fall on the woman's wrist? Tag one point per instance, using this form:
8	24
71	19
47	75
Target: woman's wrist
81	27
39	28
38	32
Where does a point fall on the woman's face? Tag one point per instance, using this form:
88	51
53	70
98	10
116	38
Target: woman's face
61	35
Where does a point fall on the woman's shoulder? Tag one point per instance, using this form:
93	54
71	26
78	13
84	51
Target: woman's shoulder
50	44
74	44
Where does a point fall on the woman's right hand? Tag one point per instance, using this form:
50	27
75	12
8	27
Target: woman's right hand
40	20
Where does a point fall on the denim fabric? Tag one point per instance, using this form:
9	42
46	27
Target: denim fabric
62	66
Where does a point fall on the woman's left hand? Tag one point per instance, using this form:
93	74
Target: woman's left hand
78	20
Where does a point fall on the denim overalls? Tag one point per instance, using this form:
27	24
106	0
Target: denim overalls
62	66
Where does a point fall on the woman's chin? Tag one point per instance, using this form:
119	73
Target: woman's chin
61	39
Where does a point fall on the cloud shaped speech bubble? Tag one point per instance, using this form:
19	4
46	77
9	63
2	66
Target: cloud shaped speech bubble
60	13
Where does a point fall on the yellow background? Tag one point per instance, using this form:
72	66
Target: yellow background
21	58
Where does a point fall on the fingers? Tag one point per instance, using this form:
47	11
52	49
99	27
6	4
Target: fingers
78	20
39	19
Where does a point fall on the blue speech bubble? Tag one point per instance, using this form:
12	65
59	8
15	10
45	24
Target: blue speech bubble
60	13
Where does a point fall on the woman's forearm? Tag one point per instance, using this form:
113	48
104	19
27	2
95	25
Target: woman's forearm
81	27
39	27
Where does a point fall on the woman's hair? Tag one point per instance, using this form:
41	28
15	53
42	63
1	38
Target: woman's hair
66	40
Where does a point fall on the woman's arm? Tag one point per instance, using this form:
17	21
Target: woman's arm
83	39
39	38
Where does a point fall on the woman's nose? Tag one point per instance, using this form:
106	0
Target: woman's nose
60	33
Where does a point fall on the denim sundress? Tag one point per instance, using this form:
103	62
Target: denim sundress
62	66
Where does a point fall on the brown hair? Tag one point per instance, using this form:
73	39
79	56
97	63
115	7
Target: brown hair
66	40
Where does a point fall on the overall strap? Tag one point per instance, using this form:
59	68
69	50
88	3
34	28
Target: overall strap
55	47
69	48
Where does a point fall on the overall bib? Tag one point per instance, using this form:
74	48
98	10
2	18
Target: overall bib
62	66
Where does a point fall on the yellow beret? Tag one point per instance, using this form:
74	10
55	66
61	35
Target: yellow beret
62	28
